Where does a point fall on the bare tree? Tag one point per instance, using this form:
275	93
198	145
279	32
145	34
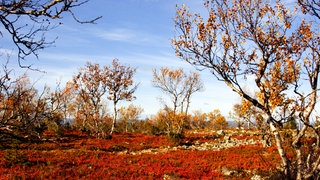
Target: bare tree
257	39
28	21
171	83
192	84
120	85
178	85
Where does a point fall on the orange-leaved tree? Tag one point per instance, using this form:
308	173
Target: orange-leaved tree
245	112
217	119
24	111
90	85
119	85
170	122
270	47
129	115
64	99
198	120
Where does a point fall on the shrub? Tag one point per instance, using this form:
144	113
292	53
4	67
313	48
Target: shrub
14	157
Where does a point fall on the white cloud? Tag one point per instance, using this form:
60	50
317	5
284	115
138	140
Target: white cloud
4	51
128	35
118	35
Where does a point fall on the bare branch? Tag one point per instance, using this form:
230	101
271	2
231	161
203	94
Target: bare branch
40	16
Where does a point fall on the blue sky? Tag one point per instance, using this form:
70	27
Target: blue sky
138	33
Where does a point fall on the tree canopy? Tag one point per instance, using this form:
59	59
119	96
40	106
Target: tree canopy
264	44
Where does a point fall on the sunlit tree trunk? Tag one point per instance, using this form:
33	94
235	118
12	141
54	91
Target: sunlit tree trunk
114	120
284	160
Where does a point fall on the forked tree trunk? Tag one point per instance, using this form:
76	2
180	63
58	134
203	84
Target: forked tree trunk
306	169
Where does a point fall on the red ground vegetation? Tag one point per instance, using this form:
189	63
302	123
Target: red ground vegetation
83	157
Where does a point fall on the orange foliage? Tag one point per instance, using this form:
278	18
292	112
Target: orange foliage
217	119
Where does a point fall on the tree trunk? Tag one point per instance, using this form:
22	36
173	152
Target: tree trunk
297	146
175	105
284	160
114	118
299	163
187	107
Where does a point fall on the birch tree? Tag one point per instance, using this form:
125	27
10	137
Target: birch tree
217	119
90	86
178	85
120	86
129	116
24	111
266	45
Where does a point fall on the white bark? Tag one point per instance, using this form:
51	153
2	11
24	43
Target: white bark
281	151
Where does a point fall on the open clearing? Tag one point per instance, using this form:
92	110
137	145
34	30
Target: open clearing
140	156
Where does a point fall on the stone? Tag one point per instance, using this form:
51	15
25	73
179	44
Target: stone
256	177
227	138
220	133
227	172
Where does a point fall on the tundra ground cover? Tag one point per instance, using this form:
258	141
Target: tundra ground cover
82	157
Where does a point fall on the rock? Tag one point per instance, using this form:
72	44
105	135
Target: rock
184	147
256	177
220	133
197	143
227	138
251	141
227	172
